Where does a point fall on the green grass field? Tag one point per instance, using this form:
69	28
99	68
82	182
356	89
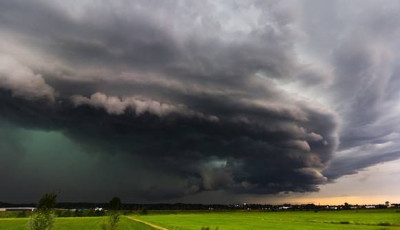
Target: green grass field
299	220
387	219
73	223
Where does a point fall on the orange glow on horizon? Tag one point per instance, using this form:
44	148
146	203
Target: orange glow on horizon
339	200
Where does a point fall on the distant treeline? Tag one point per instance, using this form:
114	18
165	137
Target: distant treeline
92	209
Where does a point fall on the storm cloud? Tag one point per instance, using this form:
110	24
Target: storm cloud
245	97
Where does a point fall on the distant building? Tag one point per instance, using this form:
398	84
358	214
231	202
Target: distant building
395	206
31	209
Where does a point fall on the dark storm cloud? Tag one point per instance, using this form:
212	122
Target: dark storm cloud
198	92
228	153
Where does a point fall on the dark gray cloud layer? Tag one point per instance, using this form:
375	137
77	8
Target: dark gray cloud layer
209	96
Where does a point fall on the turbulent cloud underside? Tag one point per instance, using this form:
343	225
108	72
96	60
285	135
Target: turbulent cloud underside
248	97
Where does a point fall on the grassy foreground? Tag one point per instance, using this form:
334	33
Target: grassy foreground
298	220
72	223
301	220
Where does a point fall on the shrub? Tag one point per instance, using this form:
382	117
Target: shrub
113	215
384	224
112	221
64	213
22	214
42	221
344	222
43	217
78	213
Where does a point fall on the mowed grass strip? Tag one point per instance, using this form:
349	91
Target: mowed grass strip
300	220
73	223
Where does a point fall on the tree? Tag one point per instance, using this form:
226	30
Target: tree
346	206
115	204
387	203
114	214
43	217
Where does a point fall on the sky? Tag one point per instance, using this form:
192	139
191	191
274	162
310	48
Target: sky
200	101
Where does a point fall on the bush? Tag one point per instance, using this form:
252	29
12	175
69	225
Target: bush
64	213
22	214
99	213
78	213
114	214
112	221
43	217
344	222
384	224
42	221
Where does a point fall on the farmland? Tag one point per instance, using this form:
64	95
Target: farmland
238	220
72	223
386	219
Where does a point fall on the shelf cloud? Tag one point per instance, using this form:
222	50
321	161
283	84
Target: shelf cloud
245	97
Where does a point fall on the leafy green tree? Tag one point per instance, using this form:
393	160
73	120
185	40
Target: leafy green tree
115	204
114	214
43	217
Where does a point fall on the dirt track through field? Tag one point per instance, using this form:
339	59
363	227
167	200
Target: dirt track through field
147	223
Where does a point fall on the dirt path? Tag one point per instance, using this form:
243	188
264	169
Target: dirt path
147	223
